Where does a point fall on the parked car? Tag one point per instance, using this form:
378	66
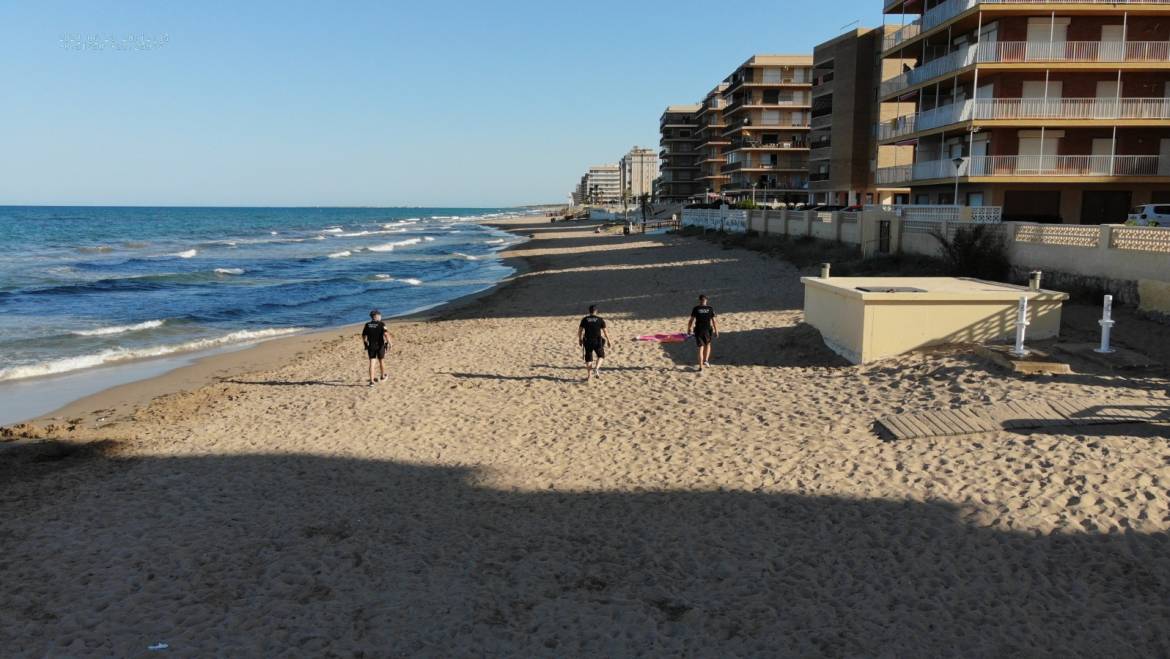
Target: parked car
1151	215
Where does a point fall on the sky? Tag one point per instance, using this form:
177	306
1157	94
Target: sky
425	103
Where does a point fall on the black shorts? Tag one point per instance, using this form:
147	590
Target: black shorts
704	337
377	352
594	348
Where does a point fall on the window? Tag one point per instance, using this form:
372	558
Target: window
974	198
1162	210
922	199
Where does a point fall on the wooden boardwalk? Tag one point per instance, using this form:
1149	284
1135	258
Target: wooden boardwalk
1023	415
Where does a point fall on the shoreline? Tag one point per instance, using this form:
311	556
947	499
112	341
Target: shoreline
194	370
490	499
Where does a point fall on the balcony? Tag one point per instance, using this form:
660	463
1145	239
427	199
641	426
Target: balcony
905	33
1047	166
815	177
898	175
748	143
1072	108
1020	52
820	153
1007	109
823	121
764	166
964	56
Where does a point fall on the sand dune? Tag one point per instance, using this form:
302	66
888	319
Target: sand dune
486	501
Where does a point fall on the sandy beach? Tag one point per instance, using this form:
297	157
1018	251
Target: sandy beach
487	502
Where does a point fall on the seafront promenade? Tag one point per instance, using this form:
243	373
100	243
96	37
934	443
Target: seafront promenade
486	501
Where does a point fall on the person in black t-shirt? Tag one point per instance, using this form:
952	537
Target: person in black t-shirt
592	336
376	339
705	328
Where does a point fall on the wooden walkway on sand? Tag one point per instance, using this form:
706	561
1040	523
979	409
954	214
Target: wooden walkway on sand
1023	415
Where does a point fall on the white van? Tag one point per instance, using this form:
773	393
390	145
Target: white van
1151	215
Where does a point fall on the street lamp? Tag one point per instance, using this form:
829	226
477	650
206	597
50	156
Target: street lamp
958	168
754	184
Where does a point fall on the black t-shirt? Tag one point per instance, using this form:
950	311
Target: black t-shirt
375	333
704	316
593	326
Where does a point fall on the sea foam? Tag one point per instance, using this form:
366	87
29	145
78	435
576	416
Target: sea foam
120	329
123	354
390	247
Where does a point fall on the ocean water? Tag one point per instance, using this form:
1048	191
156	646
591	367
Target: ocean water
82	287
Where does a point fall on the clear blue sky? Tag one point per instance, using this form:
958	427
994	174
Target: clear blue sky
439	102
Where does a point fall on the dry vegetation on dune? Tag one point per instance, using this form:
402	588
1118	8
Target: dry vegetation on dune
488	502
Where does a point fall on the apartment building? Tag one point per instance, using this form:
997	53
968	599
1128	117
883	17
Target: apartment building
843	151
638	168
767	117
711	141
679	160
602	184
1057	111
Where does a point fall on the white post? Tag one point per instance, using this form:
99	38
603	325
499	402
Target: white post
1021	328
1107	324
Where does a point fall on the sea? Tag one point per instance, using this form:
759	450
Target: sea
86	287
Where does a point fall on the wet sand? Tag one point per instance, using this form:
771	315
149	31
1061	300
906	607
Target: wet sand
486	501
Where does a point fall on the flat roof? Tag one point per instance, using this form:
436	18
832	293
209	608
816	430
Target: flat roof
929	289
779	60
852	34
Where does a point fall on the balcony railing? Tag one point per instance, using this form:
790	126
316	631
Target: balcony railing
897	175
823	121
822	153
1072	108
819	176
1027	108
736	166
905	33
1075	51
1029	51
1071	166
964	56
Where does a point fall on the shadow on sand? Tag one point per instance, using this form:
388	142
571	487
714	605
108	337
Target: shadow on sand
294	383
798	346
332	556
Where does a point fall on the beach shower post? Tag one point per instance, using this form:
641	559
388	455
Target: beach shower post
1107	324
1021	328
825	270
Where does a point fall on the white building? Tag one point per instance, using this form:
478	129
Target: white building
601	185
638	168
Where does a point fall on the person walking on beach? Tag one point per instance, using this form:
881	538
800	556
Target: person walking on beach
376	339
592	336
705	328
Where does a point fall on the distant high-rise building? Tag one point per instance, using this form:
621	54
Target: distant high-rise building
767	116
600	185
638	168
711	141
679	164
846	71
